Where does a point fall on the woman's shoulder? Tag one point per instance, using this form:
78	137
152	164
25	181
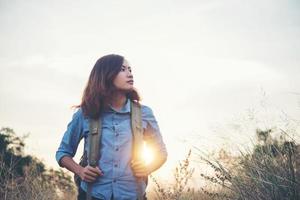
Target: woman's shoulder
78	113
147	111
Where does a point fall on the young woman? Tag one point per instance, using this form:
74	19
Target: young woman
108	95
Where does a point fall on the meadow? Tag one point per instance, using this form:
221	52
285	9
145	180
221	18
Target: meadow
269	170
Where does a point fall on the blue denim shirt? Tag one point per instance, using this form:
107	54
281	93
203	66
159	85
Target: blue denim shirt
116	147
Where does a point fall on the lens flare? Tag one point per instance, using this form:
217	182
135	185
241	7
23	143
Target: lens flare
147	154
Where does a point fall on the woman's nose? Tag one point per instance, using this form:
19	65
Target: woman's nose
129	73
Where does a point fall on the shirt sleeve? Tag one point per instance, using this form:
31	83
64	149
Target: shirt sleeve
152	134
71	137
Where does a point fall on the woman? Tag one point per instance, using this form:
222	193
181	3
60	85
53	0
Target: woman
108	95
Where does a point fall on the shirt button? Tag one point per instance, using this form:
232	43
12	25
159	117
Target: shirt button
117	149
117	134
116	165
114	180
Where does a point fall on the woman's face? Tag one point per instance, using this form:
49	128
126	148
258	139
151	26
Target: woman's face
124	79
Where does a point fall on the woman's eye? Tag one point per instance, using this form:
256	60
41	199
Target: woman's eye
124	69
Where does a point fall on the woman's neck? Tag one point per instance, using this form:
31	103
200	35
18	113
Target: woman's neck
118	100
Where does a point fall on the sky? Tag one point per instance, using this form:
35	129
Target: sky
211	70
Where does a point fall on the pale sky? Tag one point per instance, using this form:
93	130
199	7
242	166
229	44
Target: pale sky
200	65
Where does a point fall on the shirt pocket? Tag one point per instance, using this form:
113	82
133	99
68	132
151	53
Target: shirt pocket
123	132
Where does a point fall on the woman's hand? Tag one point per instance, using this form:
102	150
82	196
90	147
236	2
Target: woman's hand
140	169
90	174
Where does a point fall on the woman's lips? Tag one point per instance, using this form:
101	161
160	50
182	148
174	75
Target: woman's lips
130	82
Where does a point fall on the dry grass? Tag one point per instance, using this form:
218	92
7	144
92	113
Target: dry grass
179	190
26	177
268	172
34	185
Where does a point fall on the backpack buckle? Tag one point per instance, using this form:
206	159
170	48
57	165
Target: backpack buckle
94	130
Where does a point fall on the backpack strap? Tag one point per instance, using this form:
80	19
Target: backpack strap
94	137
137	130
138	142
95	129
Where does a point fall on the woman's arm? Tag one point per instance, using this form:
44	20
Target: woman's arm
67	150
88	173
154	141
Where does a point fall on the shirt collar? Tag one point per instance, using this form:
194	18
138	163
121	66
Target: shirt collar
124	109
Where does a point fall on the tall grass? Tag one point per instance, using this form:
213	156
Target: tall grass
26	177
268	172
179	189
34	185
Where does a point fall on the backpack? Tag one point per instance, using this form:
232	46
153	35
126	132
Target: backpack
92	156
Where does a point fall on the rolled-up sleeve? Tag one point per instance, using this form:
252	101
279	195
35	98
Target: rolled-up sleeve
152	134
71	137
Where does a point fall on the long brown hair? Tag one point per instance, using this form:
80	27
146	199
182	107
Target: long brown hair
100	85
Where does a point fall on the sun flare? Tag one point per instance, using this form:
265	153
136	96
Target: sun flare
147	154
